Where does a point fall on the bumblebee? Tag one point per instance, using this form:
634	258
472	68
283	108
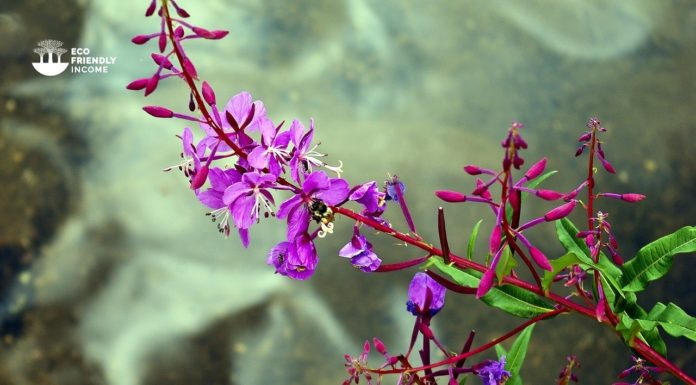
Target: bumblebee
321	213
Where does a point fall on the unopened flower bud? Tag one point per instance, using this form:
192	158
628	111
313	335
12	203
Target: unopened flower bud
141	39
199	179
549	195
450	196
559	212
151	84
208	93
536	169
138	84
540	259
159	112
632	197
472	169
379	345
151	8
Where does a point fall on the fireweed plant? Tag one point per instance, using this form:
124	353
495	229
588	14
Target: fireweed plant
239	163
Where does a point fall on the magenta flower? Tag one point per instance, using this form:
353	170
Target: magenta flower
425	295
318	193
241	115
359	250
305	156
297	259
248	197
212	197
272	152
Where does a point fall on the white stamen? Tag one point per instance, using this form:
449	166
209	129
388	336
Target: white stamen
326	228
337	169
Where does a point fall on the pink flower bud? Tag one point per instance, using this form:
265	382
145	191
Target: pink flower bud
549	195
162	60
218	34
540	259
494	240
536	169
632	197
486	283
141	39
179	32
151	84
379	345
208	93
202	32
607	166
559	212
158	112
585	137
162	42
189	68
580	150
138	84
615	256
450	196
199	179
472	169
151	8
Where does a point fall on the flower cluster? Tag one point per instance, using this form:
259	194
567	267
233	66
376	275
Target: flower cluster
239	160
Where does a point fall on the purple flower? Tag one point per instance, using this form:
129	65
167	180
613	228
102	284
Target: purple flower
305	156
247	197
191	155
297	259
318	193
241	114
272	152
493	372
390	189
213	197
369	196
424	293
359	250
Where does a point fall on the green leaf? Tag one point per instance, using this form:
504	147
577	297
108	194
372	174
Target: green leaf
508	298
674	320
566	231
654	260
472	240
558	264
631	310
533	184
518	351
505	265
500	351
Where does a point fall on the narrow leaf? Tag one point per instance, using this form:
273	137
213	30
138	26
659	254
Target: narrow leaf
510	299
654	260
506	264
518	351
558	264
472	240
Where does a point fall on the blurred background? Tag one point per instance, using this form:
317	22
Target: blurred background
110	273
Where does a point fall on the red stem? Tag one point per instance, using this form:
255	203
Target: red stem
646	351
484	347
